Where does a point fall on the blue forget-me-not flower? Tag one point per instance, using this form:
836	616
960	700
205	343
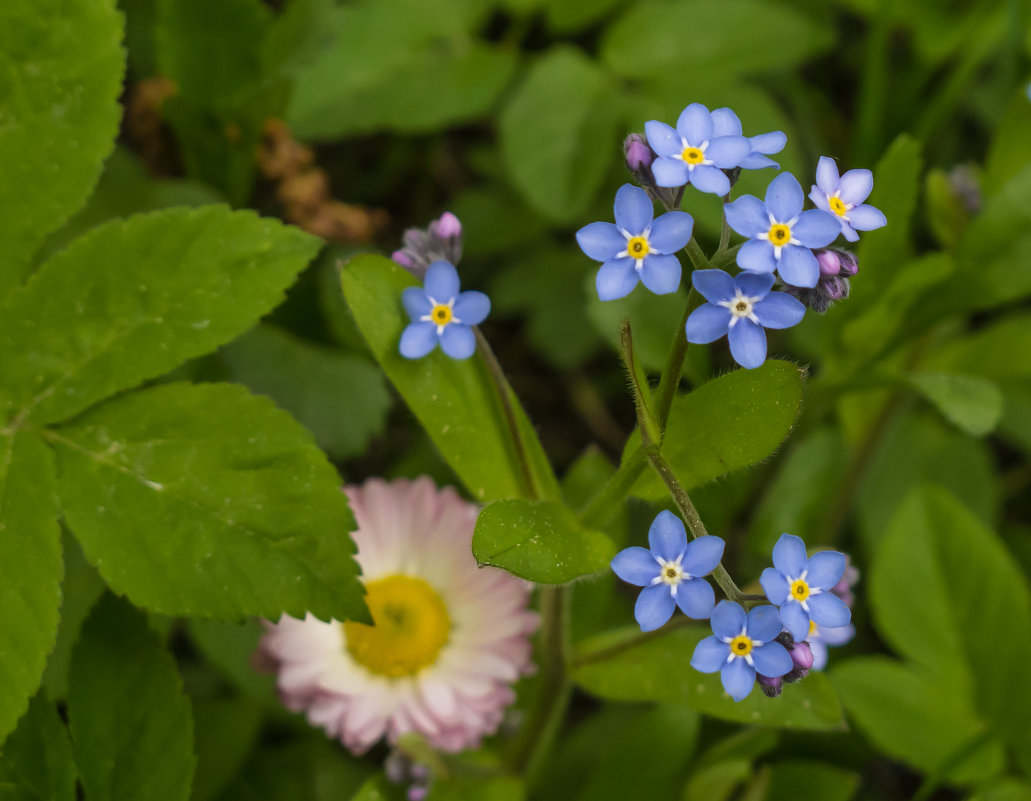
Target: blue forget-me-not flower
694	152
843	197
726	123
801	586
742	645
441	314
670	570
637	247
740	307
780	235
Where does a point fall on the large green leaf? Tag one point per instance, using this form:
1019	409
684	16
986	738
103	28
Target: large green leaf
30	570
205	500
729	423
37	763
129	716
971	403
539	541
557	132
659	670
60	76
455	401
133	299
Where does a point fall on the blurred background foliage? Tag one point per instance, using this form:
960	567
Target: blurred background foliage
357	119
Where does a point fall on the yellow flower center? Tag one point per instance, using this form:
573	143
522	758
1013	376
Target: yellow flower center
637	247
813	628
410	626
780	234
671	573
693	155
837	206
799	590
741	645
441	314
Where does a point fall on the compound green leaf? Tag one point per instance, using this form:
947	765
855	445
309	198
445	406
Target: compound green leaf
135	298
208	501
37	761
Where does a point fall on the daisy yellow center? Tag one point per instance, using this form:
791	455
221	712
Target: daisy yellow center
441	314
741	645
780	234
799	590
837	205
410	626
693	155
637	247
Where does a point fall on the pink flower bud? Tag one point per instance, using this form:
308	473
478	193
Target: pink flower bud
828	261
447	226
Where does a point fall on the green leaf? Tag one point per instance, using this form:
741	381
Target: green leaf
205	500
972	404
915	716
1005	790
341	398
1011	146
474	788
309	767
731	36
823	781
133	299
30	570
60	76
455	401
947	594
654	320
557	132
225	729
730	423
298	36
539	541
37	761
999	350
659	670
129	716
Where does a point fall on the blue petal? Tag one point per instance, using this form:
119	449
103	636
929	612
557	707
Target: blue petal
836	635
635	566
667	536
795	619
754	285
748	216
663	139
768	143
703	554
779	310
819	198
714	285
784	197
695	124
816	228
696	598
661	274
855	186
829	610
819	655
825	569
670	172
458	341
415	302
725	123
710	655
707	178
747	343
727	152
772	660
471	308
671	231
775	585
633	209
707	323
738	678
756	255
789	556
848	231
616	279
417	340
441	281
601	241
867	218
798	266
757	161
654	607
764	623
827	175
728	620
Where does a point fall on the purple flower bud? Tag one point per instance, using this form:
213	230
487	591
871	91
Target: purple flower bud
828	261
771	687
447	226
417	792
401	258
638	155
843	589
802	655
849	263
440	241
835	287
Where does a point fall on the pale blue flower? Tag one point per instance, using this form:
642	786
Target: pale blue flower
843	197
442	315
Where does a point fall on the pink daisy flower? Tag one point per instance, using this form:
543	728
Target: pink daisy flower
449	640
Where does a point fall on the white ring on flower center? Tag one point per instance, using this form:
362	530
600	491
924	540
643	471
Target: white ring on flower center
747	657
790	225
740	306
812	590
428	318
671	573
684	145
625	253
